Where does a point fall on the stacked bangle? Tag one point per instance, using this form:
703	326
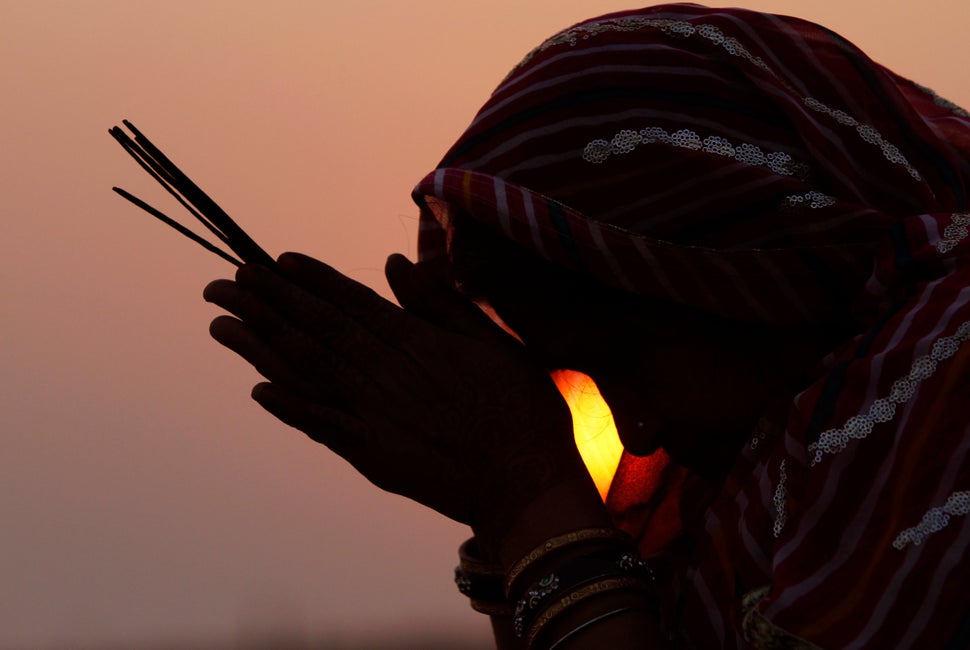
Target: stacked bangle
569	578
597	561
561	543
480	581
573	568
583	578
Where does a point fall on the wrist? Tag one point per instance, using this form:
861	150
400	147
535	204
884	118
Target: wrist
515	524
571	579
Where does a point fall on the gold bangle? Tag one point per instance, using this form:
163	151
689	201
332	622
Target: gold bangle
481	581
558	542
579	595
473	564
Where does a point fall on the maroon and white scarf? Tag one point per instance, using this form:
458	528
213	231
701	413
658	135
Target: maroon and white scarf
762	168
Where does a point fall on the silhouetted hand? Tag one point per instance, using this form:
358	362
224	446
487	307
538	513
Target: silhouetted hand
433	401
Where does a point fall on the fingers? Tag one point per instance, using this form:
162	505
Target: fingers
342	433
307	311
313	349
409	285
242	340
353	299
248	334
424	295
234	299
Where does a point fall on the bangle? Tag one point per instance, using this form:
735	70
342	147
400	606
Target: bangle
560	542
577	596
575	579
593	621
480	581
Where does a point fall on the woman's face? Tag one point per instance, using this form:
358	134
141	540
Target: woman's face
674	378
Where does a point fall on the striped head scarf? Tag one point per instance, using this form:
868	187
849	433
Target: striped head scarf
666	150
761	168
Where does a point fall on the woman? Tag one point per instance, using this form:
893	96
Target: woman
752	238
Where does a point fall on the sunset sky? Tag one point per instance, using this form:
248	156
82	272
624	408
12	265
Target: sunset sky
143	496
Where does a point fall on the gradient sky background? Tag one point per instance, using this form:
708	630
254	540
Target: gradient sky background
143	496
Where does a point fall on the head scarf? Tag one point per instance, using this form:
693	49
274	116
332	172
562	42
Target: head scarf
761	168
737	162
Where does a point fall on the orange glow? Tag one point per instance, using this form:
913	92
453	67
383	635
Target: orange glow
596	436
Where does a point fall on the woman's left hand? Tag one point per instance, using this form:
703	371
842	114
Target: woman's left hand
433	401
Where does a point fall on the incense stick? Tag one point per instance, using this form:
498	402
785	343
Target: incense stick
150	166
179	227
192	198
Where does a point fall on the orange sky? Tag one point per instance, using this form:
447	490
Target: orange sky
144	496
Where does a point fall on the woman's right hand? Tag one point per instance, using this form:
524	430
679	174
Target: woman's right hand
432	401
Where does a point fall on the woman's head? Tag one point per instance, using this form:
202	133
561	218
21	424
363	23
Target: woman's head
740	163
672	375
693	169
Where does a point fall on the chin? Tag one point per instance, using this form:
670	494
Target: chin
709	454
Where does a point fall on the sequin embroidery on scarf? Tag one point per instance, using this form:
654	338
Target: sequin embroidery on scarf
935	520
779	162
812	199
954	233
867	133
780	500
883	410
673	28
683	29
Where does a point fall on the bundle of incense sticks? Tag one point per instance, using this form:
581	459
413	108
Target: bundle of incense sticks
192	198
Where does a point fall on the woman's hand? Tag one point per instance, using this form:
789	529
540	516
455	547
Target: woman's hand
433	401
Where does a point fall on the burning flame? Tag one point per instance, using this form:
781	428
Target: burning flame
596	436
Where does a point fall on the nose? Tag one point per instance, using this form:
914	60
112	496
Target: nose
641	437
638	424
